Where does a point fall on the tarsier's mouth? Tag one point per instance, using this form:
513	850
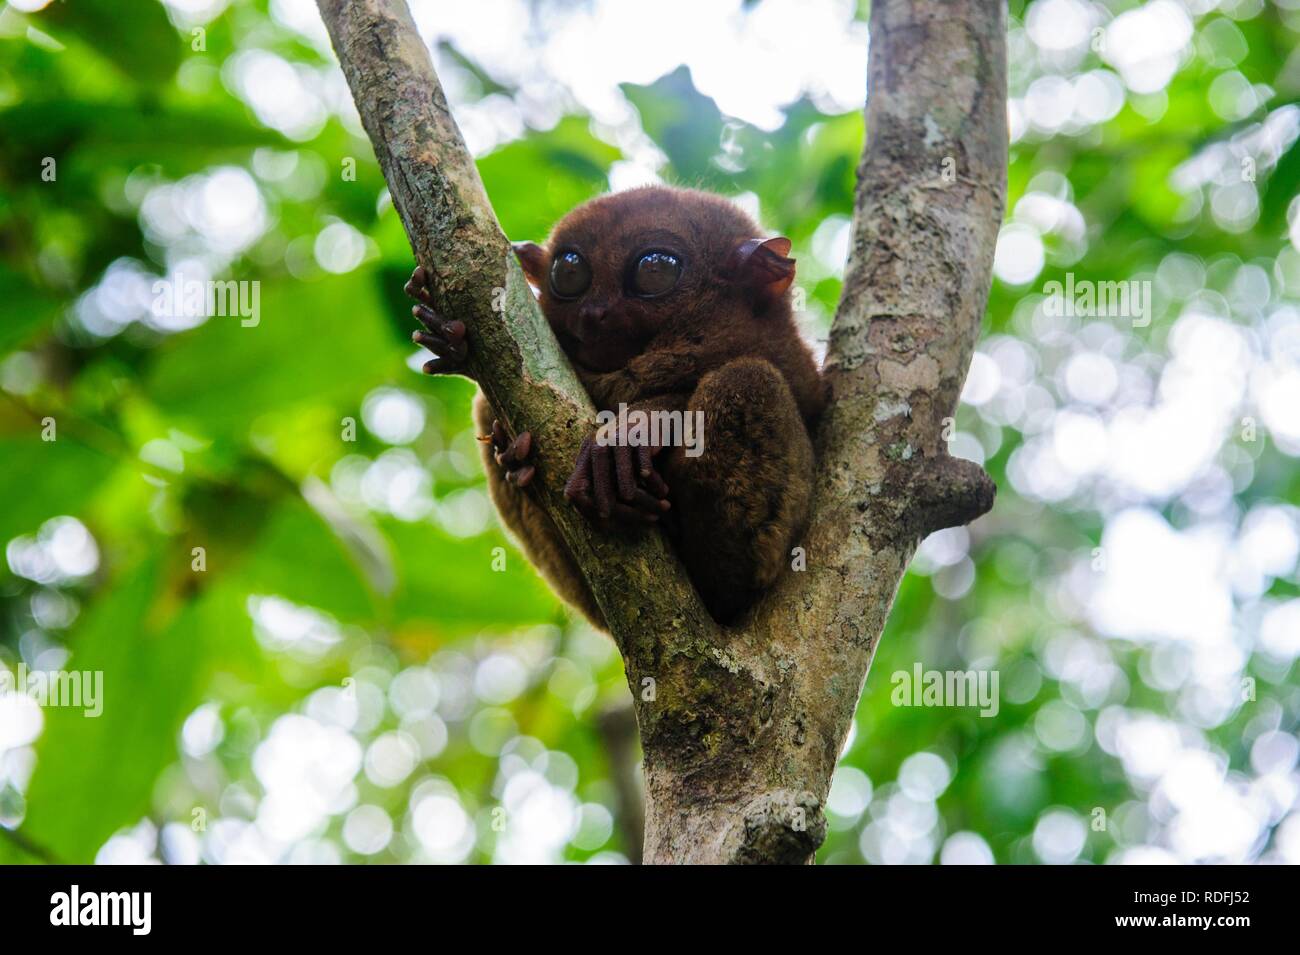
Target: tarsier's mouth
597	353
598	364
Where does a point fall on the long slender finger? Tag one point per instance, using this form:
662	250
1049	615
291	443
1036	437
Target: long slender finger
602	475
583	502
430	319
624	471
452	331
458	353
579	482
655	484
439	346
499	437
620	513
649	504
521	477
431	342
517	453
417	286
442	366
644	461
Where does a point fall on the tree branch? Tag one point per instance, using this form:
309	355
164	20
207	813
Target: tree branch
639	585
930	197
741	727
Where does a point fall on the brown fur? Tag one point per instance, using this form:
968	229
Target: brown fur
723	342
534	531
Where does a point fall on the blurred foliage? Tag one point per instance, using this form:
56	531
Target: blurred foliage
281	556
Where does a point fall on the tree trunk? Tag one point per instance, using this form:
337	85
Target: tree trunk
742	726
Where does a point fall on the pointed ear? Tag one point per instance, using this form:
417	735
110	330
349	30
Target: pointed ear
763	265
534	260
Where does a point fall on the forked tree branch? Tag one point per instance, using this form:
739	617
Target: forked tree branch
741	726
641	587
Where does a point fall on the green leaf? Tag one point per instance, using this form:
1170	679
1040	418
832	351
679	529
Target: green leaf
129	131
144	46
298	558
533	182
94	775
314	342
685	124
27	310
43	479
448	585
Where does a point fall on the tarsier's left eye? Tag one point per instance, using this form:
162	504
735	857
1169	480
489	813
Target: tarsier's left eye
570	275
655	273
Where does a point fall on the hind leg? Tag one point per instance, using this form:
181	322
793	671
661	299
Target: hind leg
739	504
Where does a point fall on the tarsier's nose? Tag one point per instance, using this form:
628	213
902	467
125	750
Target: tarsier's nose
593	311
591	318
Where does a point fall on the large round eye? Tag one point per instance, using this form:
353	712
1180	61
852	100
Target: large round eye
570	275
655	273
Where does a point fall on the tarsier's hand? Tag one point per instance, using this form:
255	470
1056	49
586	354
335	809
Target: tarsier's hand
513	456
445	339
613	480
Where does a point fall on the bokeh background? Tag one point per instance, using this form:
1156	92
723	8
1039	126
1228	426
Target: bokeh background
362	674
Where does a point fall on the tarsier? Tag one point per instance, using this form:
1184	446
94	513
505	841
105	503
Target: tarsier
665	300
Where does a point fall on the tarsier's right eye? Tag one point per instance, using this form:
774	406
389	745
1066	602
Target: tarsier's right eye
570	275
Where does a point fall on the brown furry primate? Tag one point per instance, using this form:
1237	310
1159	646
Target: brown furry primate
666	300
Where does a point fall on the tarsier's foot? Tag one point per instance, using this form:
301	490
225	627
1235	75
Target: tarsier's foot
446	339
514	457
615	480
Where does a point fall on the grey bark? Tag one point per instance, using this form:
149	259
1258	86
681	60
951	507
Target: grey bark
741	726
